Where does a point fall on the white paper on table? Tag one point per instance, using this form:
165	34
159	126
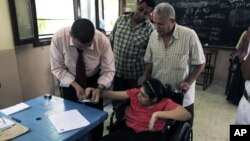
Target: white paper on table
68	120
15	108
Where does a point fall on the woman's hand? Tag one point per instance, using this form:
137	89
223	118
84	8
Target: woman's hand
94	93
152	121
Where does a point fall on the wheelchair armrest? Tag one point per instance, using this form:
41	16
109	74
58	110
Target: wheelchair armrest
168	129
121	123
117	125
122	103
177	130
169	124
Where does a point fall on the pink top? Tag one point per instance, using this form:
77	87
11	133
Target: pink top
138	117
63	56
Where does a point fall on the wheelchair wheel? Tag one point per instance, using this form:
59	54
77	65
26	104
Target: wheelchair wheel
183	133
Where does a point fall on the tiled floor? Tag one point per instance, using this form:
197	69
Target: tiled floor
213	114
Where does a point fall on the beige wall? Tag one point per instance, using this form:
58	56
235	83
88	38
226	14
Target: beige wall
10	91
34	71
6	39
24	71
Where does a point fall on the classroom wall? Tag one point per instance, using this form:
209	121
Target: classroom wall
10	89
6	39
34	71
25	70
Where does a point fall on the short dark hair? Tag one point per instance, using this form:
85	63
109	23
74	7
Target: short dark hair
83	30
149	3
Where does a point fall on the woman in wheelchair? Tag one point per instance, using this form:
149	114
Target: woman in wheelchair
147	113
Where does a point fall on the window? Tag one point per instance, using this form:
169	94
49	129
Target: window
88	10
49	19
22	22
35	21
111	13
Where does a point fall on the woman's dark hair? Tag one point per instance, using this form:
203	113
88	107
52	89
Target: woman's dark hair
150	3
83	30
155	89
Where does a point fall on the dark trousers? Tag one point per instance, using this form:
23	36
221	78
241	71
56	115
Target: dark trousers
127	134
70	94
235	82
121	84
190	109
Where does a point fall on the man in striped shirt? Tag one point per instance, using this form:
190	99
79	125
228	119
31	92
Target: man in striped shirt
174	54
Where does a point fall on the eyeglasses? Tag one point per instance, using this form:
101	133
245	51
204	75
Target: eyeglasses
151	88
144	95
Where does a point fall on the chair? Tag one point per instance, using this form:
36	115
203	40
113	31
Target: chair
173	130
207	75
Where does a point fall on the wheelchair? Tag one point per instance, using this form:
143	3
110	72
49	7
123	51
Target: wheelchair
173	131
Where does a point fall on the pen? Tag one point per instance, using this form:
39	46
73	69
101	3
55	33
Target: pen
17	120
3	119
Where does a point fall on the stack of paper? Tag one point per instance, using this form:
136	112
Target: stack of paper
13	131
15	108
5	123
68	120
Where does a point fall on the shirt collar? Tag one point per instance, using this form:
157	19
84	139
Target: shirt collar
129	17
72	45
176	33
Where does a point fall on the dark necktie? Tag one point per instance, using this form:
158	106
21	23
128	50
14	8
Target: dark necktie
80	70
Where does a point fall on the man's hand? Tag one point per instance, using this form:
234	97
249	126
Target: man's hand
241	55
93	94
184	86
79	90
141	80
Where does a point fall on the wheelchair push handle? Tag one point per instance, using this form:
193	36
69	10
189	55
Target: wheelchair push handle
178	96
179	91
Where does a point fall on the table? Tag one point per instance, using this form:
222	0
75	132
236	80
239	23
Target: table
41	129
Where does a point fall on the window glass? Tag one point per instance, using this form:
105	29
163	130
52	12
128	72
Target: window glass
130	5
101	15
53	15
24	19
111	13
88	10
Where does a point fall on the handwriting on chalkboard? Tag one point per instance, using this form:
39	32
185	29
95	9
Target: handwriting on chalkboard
217	22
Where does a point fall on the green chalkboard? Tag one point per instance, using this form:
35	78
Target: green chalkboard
218	23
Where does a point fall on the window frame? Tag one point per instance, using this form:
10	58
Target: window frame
14	23
35	38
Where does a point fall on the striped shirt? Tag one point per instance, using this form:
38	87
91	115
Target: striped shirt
172	63
129	46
